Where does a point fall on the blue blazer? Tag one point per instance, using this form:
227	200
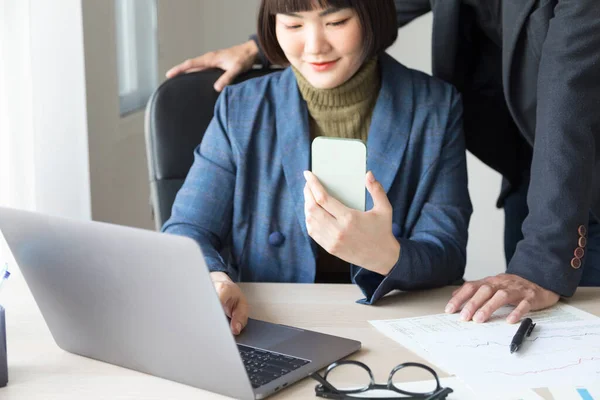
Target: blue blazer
245	188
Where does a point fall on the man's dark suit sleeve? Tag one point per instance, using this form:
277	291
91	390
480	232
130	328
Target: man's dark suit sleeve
566	149
407	10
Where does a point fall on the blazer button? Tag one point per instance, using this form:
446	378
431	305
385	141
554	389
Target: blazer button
396	230
276	239
582	242
579	253
576	263
582	231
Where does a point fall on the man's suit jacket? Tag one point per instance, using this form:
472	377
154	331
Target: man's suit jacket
551	83
245	188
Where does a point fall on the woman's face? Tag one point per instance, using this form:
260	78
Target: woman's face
326	46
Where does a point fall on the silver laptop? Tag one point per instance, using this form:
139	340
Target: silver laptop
144	300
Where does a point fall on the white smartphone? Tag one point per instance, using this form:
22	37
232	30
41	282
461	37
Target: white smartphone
341	166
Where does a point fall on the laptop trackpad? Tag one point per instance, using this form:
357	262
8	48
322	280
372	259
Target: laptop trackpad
266	335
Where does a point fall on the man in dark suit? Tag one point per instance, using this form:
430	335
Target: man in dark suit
529	75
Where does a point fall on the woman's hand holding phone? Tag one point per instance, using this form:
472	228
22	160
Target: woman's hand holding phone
361	238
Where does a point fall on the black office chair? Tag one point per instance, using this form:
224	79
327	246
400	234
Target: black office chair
177	115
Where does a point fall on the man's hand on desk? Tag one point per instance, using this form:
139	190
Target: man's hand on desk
481	298
232	299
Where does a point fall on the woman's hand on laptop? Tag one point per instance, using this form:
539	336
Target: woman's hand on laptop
232	299
360	238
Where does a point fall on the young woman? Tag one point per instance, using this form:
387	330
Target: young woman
249	189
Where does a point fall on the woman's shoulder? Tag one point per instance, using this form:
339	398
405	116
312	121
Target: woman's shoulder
254	97
259	87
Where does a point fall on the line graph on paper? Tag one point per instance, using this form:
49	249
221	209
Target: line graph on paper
560	352
564	347
529	373
561	338
575	364
575	337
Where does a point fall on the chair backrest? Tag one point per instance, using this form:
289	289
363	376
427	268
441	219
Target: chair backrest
177	116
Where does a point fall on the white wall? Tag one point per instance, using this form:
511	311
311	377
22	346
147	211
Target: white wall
62	184
16	121
44	137
485	251
192	27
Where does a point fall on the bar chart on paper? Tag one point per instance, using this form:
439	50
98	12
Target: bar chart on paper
564	347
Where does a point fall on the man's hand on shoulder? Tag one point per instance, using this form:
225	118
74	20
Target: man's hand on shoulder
233	60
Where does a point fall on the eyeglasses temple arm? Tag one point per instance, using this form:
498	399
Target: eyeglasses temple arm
319	378
442	394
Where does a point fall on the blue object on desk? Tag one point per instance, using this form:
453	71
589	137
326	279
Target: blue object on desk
3	358
585	394
4	276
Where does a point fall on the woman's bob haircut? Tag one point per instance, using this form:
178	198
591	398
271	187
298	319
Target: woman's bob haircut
377	19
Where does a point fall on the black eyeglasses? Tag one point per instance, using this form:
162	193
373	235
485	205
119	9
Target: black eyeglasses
331	383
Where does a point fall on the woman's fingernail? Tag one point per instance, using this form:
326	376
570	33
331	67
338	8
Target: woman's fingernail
238	328
449	309
306	176
370	177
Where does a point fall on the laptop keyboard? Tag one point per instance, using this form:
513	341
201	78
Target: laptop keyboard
264	366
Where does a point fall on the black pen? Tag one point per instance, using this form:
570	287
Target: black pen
524	330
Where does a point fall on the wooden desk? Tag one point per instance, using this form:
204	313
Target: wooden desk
38	369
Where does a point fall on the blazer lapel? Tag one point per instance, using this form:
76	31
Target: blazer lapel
294	141
391	124
514	14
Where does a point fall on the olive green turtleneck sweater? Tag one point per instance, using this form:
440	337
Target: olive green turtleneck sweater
344	112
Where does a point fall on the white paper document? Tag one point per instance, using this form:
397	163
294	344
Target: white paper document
563	347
